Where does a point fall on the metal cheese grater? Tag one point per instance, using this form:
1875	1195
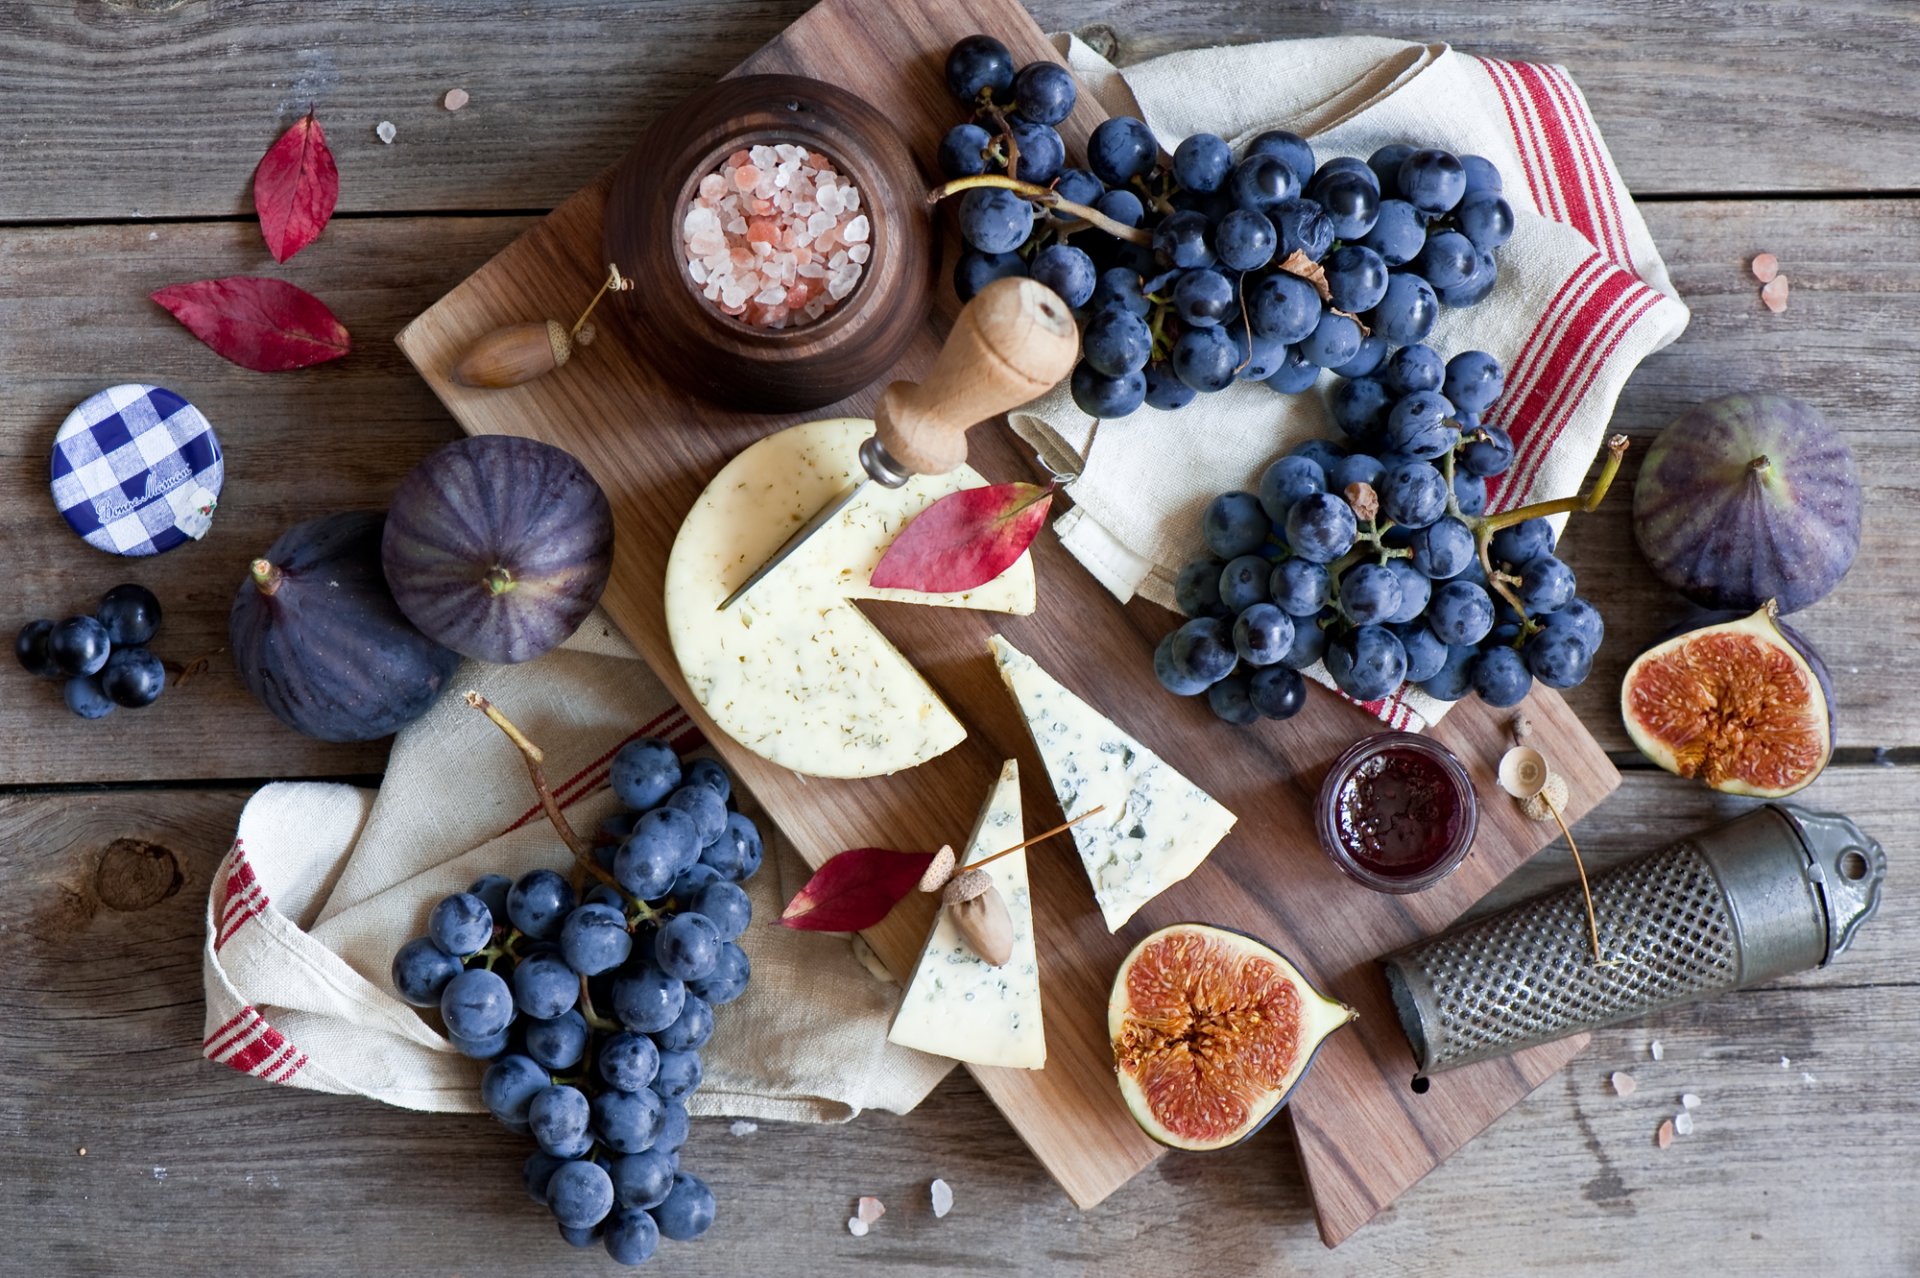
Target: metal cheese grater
1776	891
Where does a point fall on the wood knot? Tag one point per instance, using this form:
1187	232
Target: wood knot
136	875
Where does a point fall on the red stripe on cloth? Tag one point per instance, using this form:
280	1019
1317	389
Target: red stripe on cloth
574	780
1532	139
1521	142
266	1071
1565	167
260	1049
239	901
299	1063
238	1041
247	916
225	1036
1526	365
1598	183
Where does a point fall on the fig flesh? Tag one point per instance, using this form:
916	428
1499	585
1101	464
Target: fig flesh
1749	498
1743	706
1211	1030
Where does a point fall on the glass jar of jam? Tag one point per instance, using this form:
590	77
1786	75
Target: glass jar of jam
1397	812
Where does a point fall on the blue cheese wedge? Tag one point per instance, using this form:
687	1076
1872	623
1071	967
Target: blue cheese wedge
793	671
1156	827
960	1005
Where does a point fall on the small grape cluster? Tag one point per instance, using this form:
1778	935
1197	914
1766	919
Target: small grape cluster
1213	270
102	658
1377	558
593	1011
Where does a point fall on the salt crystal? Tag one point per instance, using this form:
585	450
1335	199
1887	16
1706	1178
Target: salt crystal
455	99
745	176
1683	1123
870	1209
1807	1078
1688	1100
850	200
841	282
813	270
712	188
741	1127
838	261
1663	1134
856	231
1655	1050
697	269
763	156
828	197
859	253
942	1194
738	226
857	1227
818	224
1774	294
771	294
1785	1063
1623	1084
385	131
1765	267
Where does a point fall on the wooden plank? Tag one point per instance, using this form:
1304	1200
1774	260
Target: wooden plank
100	1024
97	130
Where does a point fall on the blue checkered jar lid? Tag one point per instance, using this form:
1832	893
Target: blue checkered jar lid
137	470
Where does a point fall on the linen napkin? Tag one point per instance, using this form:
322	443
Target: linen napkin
324	882
1582	296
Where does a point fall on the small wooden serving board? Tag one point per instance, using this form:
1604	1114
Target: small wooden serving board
1363	1134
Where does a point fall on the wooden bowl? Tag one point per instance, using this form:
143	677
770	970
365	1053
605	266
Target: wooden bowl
708	353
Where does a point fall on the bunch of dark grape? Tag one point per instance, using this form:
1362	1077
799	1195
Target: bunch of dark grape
101	659
1377	557
593	1011
1211	269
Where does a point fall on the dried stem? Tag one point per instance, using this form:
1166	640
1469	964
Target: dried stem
1593	924
581	848
1038	838
1047	197
1487	525
615	281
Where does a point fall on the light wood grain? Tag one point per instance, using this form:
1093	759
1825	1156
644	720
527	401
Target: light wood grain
100	1024
93	130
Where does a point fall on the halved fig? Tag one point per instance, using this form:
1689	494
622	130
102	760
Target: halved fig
1741	705
1211	1030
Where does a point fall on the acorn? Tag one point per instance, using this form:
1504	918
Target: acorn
518	353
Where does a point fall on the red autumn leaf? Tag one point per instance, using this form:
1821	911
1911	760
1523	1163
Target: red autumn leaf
965	539
854	890
265	325
294	188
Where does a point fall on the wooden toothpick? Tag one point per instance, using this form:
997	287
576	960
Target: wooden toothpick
1038	838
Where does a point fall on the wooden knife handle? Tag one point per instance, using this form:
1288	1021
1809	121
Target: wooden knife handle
1015	340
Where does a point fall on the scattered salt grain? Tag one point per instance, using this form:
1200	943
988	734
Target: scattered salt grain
1689	1101
1807	1078
1765	267
385	131
942	1194
1683	1123
159	1173
1623	1084
455	99
1663	1134
1655	1050
741	1127
857	1227
83	1151
869	1209
1774	294
1785	1063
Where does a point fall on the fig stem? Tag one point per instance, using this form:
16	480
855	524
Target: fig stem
582	850
499	580
267	577
1047	197
1042	837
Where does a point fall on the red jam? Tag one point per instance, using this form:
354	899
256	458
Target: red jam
1397	812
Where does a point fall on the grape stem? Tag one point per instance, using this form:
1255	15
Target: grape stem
1485	526
593	1018
999	118
1045	196
581	848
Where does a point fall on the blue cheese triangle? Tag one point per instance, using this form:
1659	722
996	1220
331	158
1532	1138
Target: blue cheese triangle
1156	827
960	1005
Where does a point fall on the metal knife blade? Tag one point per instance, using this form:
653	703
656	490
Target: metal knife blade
821	518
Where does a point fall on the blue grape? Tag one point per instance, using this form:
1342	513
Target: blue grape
422	970
492	890
1117	342
1184	239
1426	655
690	1030
1290	147
1284	482
1343	166
1373	354
1432	180
130	614
484	1048
538	904
1546	584
1262	634
1413	494
1351	199
1235	524
1454	679
1196	589
1369	593
1386	162
1501	677
1283	307
1408	311
580	1194
644	772
1558	658
1205	359
1367	663
1043	92
1485	219
648	1000
979	65
647	863
1243	582
1098	395
78	647
537	1171
737	853
595	939
1201	162
1461	613
695	877
1066	270
688	1210
1165	390
544	986
476	1004
1360	468
974	271
1213	205
132	677
631	1237
707	808
1119	288
1323	453
1121	148
1415	590
1262	182
642	1179
687	946
509	1086
1480	174
86	697
559	1043
1335	339
1042	152
728	979
1414	368
1359	406
1486	273
1398	234
1309	641
1260	357
1203	298
629	1061
994	220
1277	692
1321	527
1300	587
1357	278
1245	240
1295	374
679	1076
727	906
1469	493
561	1117
963	151
1517	543
1474	380
1448	260
1079	186
1175	679
1583	619
674	1129
627	1122
1122	206
1442	549
1231	700
1420	425
1203	649
1303	227
711	774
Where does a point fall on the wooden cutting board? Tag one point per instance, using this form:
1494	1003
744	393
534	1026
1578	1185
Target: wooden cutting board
1362	1133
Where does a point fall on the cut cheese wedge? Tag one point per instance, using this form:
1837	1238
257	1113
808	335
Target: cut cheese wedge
1156	826
793	671
960	1005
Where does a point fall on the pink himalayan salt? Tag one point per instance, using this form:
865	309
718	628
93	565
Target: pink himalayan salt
776	236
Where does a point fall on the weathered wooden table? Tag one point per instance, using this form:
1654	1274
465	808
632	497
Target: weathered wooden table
128	133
